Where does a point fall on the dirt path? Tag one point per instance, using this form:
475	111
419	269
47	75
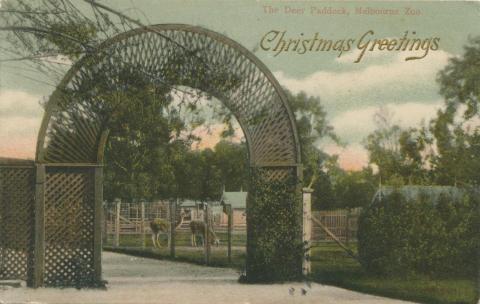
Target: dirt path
139	280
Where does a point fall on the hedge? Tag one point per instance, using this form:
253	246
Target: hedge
400	234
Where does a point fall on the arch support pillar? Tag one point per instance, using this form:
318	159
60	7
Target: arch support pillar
97	223
68	214
274	224
39	249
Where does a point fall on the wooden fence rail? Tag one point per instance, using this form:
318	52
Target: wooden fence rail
342	223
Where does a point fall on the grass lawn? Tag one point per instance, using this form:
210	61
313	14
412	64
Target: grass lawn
181	239
132	244
330	265
218	257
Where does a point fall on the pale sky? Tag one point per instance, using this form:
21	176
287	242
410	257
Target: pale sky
350	92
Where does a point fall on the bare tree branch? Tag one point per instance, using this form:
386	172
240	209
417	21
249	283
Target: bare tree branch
34	30
10	11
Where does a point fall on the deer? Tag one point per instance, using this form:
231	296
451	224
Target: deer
197	227
158	226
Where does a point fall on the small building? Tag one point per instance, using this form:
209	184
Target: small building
238	201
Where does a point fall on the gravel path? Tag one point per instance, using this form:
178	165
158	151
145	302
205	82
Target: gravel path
139	280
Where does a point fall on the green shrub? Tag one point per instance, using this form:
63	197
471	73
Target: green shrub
434	235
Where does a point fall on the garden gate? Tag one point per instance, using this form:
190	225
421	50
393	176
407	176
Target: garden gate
57	199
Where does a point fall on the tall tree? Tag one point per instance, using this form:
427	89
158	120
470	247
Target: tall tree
337	188
144	143
446	151
383	144
232	161
312	127
456	129
398	153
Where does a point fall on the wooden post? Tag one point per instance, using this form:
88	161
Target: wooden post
97	236
142	228
229	231
169	219
39	252
307	229
117	222
173	211
105	223
347	228
206	239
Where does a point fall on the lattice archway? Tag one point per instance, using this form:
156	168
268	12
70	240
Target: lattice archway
75	129
174	55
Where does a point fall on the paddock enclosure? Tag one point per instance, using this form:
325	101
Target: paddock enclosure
51	209
127	229
128	224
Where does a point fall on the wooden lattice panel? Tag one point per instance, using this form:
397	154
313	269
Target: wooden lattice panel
69	227
17	198
277	174
168	55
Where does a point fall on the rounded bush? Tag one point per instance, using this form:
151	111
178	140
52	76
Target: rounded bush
429	232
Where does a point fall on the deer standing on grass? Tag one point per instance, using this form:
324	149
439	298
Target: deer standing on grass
197	227
159	226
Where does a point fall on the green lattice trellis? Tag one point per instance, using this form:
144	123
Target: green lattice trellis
74	131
